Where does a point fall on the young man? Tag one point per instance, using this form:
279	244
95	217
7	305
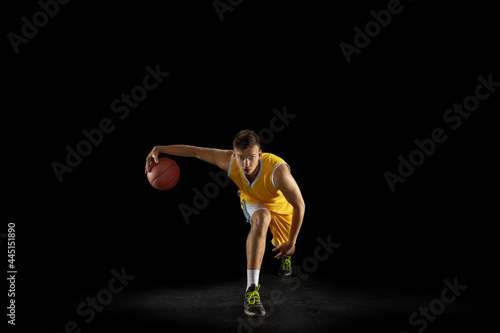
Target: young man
269	197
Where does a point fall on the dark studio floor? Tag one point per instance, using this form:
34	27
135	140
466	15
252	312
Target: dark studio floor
312	305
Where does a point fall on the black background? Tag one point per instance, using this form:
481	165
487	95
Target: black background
352	121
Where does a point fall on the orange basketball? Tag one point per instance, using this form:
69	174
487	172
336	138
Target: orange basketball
164	175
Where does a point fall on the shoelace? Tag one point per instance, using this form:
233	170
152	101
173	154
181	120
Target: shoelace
285	263
253	296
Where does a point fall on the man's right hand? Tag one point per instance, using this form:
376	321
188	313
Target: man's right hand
151	158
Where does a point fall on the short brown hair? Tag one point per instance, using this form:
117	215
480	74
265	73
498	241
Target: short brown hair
246	139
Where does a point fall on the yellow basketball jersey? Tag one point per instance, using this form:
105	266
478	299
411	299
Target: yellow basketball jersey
262	189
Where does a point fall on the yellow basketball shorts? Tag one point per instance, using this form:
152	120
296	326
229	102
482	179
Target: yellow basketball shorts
280	223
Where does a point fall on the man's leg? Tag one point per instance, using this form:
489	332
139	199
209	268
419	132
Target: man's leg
256	246
280	228
256	240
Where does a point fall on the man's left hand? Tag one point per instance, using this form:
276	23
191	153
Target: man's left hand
286	249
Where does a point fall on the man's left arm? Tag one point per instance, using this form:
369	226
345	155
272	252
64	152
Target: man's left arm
284	181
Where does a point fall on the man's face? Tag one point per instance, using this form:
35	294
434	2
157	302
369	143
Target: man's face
248	159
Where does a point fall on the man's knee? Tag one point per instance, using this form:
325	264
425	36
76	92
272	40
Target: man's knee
261	220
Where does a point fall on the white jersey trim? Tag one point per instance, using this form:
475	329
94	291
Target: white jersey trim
230	166
274	170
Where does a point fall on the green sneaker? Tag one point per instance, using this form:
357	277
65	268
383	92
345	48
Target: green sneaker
285	267
253	306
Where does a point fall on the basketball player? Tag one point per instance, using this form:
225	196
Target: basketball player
269	197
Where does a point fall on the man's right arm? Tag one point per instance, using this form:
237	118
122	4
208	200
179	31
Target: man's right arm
219	157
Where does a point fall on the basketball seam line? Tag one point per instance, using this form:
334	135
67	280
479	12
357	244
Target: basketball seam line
171	180
162	173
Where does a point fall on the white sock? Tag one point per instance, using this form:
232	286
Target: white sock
252	277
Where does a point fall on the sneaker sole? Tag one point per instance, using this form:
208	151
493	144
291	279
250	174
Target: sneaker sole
251	314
